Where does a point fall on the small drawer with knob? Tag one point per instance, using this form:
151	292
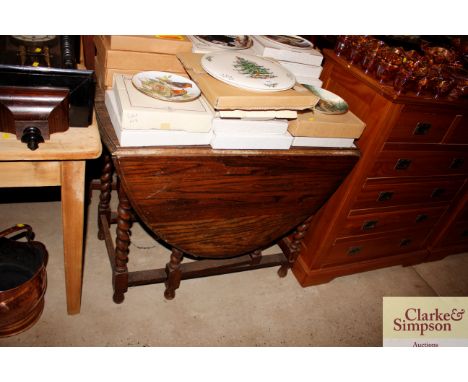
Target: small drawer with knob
380	193
350	250
399	163
417	125
377	223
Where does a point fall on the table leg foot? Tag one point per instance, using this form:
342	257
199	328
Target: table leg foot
169	294
283	270
118	297
174	274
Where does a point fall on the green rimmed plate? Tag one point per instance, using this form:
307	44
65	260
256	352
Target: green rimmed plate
329	103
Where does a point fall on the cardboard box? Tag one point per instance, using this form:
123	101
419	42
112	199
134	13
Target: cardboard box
252	127
258	114
323	142
309	81
139	111
121	59
151	137
264	47
251	142
297	69
226	97
310	124
167	44
105	76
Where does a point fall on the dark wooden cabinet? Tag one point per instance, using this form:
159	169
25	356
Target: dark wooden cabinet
405	201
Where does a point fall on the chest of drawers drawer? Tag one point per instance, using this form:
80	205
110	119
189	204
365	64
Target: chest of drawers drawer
418	125
382	194
400	163
350	251
375	223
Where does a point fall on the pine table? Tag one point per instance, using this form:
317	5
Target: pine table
59	161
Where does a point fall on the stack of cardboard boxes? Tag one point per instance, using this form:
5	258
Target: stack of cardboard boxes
133	54
231	118
248	119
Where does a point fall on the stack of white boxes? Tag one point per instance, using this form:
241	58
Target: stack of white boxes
140	120
305	64
251	133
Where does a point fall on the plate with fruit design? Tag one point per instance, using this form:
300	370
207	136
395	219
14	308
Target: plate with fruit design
166	86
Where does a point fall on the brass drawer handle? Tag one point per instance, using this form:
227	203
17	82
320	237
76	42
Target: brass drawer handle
405	242
384	196
354	250
437	192
403	164
420	218
369	224
457	163
422	128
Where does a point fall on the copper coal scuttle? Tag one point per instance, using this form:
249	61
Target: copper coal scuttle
23	280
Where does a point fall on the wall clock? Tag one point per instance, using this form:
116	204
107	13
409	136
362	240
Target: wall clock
41	90
50	51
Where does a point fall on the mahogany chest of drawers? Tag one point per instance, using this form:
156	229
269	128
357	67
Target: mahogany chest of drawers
406	200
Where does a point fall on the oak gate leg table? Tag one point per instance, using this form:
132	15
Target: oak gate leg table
59	161
221	207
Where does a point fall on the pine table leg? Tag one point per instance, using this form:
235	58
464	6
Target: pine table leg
73	182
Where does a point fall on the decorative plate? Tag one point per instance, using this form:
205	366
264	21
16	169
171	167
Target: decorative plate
248	72
226	41
289	41
329	102
166	86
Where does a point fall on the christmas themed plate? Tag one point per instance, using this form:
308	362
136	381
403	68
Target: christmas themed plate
248	72
166	86
286	41
226	41
329	102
